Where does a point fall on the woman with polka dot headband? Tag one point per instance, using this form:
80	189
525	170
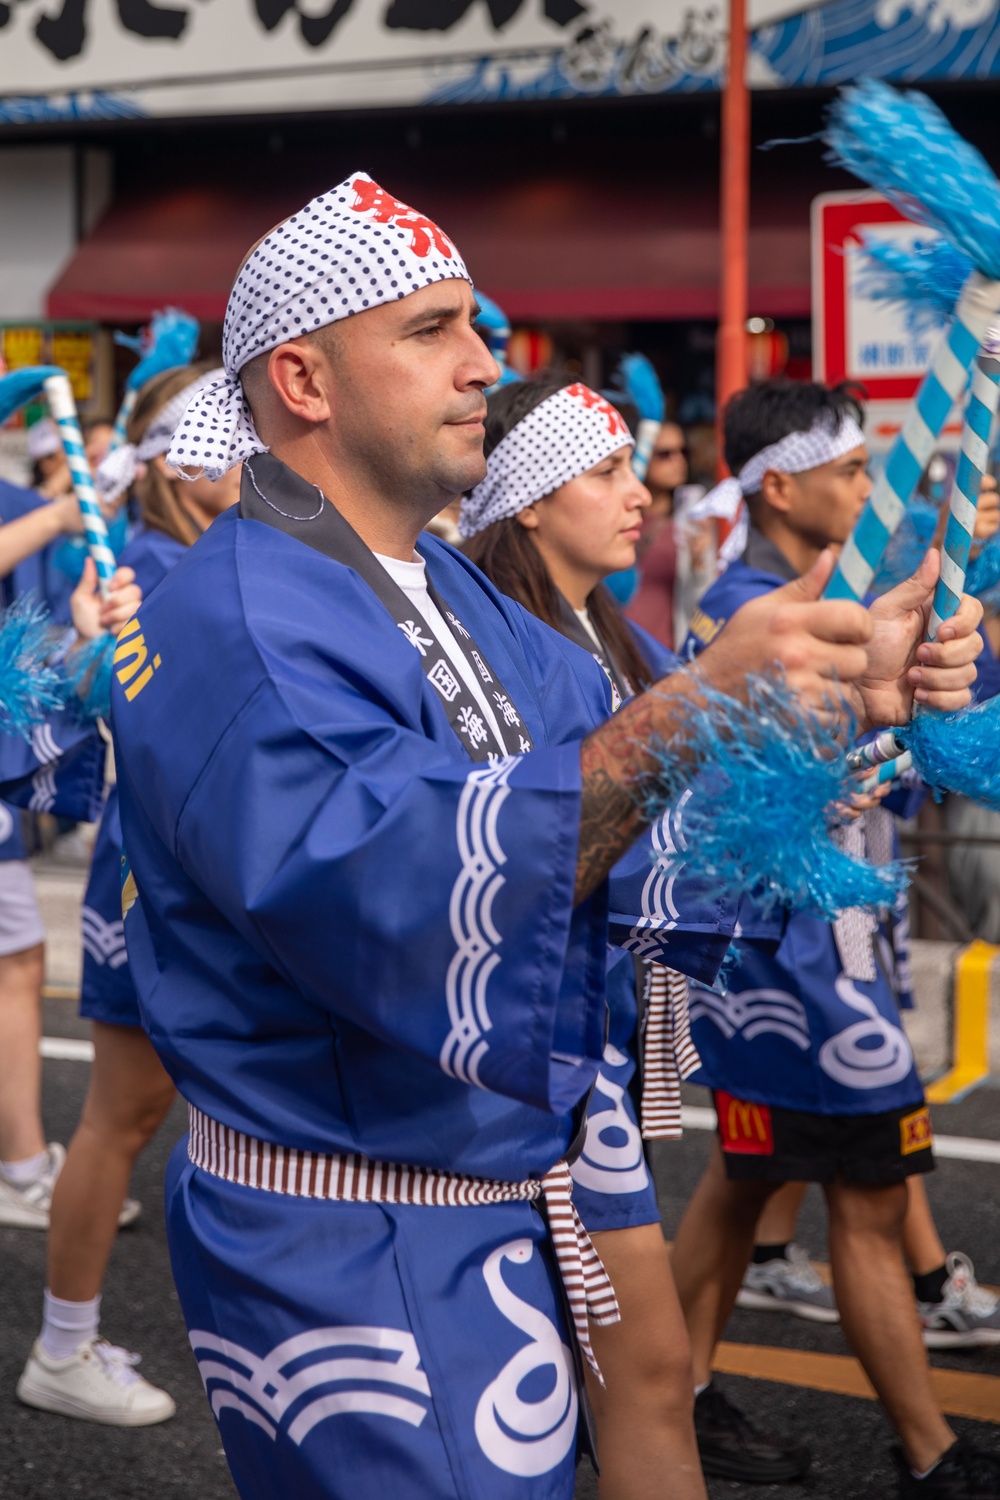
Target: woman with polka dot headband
560	509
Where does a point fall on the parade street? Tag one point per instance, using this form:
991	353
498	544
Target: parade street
791	1373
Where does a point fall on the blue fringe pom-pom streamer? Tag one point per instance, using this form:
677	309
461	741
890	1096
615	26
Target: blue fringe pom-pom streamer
958	752
984	570
908	545
776	775
30	689
22	386
636	376
171	339
903	146
927	279
87	679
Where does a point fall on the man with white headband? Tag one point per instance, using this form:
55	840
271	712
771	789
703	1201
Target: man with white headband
370	814
813	1076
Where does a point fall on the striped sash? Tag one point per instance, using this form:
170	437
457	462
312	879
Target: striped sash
348	1177
669	1053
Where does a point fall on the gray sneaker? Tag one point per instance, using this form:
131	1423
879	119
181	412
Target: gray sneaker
967	1317
26	1205
790	1285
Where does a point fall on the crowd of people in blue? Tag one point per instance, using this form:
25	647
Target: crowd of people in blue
382	888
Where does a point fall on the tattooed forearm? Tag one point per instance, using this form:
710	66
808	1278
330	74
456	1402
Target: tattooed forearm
609	823
615	763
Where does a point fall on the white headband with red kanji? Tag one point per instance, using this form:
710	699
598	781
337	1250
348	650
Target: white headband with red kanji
353	248
561	438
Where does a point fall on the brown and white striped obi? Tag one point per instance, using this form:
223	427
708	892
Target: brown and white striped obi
669	1053
351	1178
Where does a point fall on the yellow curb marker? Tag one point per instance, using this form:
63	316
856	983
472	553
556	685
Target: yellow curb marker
970	1025
960	1392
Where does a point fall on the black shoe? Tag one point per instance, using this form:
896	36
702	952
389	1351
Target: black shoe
731	1447
964	1473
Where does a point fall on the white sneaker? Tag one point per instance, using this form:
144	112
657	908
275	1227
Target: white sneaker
790	1285
27	1205
99	1383
967	1317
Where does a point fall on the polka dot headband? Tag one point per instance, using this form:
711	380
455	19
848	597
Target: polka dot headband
118	469
352	248
793	454
563	437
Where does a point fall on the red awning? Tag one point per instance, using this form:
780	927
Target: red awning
558	248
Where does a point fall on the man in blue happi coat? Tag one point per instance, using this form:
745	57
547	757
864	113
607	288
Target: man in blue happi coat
370	808
813	1075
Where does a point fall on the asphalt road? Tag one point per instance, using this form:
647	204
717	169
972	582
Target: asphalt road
48	1456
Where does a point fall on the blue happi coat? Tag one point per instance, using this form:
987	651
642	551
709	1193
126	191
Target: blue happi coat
346	936
792	1030
38	576
107	992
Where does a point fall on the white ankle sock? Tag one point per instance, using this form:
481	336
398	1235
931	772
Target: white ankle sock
67	1325
703	1387
20	1172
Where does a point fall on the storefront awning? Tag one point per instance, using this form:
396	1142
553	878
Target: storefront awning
553	249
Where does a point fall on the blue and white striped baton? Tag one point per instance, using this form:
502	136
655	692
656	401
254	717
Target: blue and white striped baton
59	394
942	386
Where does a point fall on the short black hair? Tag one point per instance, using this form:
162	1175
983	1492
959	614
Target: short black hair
763	414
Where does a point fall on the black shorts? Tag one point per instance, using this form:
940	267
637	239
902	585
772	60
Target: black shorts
761	1143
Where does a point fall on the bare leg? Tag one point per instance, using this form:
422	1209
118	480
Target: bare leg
878	1314
712	1248
21	975
645	1424
922	1245
776	1225
129	1095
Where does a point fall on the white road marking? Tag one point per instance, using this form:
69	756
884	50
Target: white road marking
67	1049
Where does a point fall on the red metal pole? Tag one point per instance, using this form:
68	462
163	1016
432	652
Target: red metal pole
731	353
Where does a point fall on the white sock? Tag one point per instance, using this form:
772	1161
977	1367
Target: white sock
67	1325
21	1172
926	1471
703	1387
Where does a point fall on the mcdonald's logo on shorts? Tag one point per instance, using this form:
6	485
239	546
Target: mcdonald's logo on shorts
745	1127
915	1133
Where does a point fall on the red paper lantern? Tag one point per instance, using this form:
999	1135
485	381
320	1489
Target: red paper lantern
530	349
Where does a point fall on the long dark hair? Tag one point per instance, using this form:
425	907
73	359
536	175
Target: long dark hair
158	496
508	556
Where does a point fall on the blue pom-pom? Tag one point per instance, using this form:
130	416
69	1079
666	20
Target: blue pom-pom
984	570
22	386
762	826
636	376
903	146
958	752
908	545
30	689
87	679
927	278
170	340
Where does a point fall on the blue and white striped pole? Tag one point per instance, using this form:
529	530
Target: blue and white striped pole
972	463
59	394
645	442
978	307
121	421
